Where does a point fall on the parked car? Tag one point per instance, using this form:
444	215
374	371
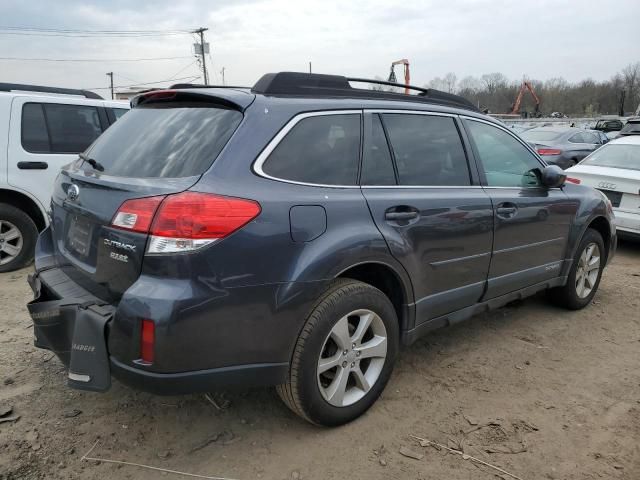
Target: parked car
632	127
41	129
615	170
296	234
609	124
563	146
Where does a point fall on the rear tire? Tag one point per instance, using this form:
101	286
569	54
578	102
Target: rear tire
585	274
344	355
18	235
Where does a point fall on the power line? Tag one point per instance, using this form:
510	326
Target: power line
53	32
25	59
145	83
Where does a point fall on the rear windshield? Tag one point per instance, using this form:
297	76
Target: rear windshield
164	141
616	156
631	127
540	135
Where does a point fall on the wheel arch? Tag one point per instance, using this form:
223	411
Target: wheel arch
27	203
389	281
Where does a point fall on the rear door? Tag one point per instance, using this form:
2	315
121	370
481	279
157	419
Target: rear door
155	150
427	203
532	222
46	134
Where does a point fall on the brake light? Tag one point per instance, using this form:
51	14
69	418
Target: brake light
577	181
185	221
549	151
147	341
136	215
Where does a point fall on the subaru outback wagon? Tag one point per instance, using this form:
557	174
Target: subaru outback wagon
296	234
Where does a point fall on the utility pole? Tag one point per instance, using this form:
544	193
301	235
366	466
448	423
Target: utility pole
222	73
201	31
110	74
309	67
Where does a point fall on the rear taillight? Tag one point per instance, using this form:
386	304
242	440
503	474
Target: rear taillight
185	221
549	151
136	215
577	181
147	341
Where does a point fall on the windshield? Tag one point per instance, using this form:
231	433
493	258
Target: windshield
631	127
616	156
540	135
171	141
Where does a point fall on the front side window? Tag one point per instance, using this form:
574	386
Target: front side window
427	150
506	162
322	149
118	112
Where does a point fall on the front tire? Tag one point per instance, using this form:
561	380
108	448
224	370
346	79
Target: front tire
18	235
585	274
344	355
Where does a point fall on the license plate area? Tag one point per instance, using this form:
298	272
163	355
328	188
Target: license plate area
614	197
79	236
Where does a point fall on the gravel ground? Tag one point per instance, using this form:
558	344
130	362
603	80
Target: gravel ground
536	391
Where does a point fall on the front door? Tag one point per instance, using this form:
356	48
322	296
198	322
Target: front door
422	197
532	221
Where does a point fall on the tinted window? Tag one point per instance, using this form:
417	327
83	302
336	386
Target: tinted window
630	127
616	156
377	167
322	150
540	135
118	112
506	162
35	138
427	150
165	141
72	128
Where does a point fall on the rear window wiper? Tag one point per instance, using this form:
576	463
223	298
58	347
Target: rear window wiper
96	165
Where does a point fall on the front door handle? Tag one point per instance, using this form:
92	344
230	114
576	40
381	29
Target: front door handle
33	165
506	210
401	215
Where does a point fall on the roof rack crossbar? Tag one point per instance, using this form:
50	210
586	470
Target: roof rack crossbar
11	87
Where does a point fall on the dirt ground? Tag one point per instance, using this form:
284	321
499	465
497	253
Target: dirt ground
537	391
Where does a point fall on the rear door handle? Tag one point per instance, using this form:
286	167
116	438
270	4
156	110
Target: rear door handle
33	165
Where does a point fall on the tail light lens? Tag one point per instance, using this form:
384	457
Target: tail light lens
577	181
185	221
549	151
136	215
147	341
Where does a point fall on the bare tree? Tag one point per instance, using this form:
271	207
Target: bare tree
631	78
449	81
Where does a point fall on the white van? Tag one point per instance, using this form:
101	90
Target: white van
41	129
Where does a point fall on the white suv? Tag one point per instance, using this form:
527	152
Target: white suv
41	129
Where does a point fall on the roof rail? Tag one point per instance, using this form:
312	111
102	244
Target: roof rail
10	87
313	84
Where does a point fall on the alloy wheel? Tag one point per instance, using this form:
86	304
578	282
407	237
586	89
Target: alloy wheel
10	242
588	269
352	358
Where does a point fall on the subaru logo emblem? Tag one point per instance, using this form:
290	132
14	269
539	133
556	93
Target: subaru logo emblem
73	193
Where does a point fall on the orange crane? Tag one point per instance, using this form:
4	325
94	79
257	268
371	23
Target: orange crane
407	75
515	108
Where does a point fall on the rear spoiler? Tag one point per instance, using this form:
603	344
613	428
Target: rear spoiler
223	97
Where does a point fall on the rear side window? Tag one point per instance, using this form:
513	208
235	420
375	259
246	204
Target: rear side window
427	150
168	140
59	128
322	149
118	112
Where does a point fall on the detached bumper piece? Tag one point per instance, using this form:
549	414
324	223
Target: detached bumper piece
74	329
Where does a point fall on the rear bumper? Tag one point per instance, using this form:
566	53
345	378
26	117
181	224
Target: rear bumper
207	336
627	223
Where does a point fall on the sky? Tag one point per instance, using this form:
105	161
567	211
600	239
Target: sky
538	39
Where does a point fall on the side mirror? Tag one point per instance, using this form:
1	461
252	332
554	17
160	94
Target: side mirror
553	176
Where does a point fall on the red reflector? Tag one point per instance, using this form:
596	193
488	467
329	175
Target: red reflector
136	215
549	151
193	215
147	340
574	180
